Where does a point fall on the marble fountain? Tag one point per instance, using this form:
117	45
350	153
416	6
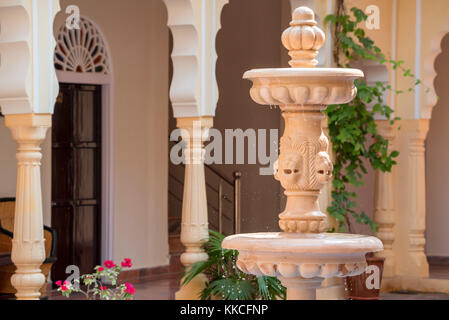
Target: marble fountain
304	253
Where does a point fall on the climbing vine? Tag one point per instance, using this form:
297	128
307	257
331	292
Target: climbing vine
352	126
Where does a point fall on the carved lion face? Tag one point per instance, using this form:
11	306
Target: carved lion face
289	170
324	168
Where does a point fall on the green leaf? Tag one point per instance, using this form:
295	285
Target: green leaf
196	269
233	289
394	154
263	288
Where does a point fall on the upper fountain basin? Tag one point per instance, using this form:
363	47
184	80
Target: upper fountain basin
303	86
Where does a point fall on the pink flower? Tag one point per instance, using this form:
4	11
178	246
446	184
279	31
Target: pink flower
103	288
58	283
109	264
127	263
64	288
66	283
100	269
129	288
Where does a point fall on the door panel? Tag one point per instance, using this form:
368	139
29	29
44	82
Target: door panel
76	181
85	226
62	175
62	222
85	171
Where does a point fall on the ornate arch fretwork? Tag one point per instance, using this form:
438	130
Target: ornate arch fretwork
82	50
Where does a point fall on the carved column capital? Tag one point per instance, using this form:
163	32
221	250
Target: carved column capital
417	133
387	130
195	131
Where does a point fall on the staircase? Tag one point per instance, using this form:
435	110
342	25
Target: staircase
223	202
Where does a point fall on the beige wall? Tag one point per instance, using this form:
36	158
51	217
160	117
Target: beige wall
437	157
8	171
249	38
138	40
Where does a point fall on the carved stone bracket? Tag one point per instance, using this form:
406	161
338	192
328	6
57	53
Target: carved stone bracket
194	25
28	82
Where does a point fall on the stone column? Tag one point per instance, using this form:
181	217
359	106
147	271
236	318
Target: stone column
384	204
194	228
417	261
303	168
300	288
28	250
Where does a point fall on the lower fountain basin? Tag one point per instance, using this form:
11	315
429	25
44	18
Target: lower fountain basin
295	255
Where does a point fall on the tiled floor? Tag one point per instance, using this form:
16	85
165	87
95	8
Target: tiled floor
436	272
414	296
157	289
165	289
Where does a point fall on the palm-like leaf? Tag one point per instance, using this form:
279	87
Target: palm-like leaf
226	281
233	289
196	269
275	288
263	288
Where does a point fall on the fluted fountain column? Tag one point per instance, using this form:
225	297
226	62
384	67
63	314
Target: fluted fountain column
304	168
194	231
28	245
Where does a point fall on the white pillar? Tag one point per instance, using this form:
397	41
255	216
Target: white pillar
28	90
28	249
194	227
417	264
385	209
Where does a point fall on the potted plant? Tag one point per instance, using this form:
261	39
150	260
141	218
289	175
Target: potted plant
367	285
226	281
353	130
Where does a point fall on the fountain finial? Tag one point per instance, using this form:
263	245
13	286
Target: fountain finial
303	39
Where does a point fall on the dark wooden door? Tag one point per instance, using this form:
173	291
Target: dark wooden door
76	178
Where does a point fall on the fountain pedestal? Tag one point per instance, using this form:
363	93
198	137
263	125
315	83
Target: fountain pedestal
301	289
303	255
